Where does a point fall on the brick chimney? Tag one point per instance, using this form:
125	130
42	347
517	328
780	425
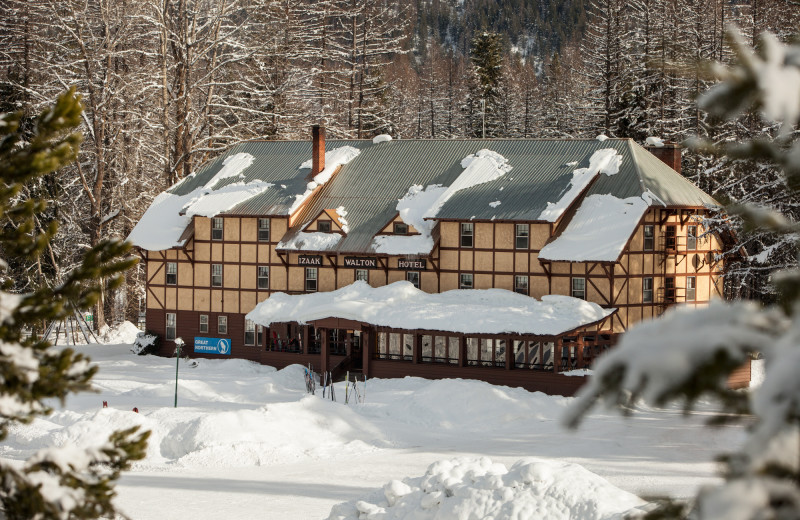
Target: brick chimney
669	154
317	150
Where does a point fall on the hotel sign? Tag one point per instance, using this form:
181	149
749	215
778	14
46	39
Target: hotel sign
220	346
369	262
313	260
412	265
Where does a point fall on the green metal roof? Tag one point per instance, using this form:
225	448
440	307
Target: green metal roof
369	186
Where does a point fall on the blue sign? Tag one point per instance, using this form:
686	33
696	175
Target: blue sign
213	346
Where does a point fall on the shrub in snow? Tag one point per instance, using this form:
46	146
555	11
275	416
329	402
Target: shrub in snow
145	344
69	482
467	489
688	353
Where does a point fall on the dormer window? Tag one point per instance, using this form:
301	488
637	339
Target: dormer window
400	228
324	226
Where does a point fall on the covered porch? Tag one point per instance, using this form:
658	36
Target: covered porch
395	331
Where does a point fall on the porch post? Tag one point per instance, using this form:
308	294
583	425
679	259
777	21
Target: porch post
367	341
509	353
558	345
579	351
462	351
415	347
324	350
305	339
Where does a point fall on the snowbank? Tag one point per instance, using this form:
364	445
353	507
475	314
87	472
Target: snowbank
474	488
124	333
654	141
605	161
599	230
401	305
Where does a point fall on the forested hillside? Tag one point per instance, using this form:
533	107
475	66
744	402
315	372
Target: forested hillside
167	84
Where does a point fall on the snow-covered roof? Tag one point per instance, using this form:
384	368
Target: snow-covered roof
473	179
599	230
401	305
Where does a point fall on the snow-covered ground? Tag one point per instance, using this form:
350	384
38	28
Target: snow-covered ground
246	441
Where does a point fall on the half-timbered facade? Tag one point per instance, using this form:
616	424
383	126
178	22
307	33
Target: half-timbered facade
602	221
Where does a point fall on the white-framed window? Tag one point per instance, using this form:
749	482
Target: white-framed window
465	281
579	287
172	326
691	238
216	228
691	288
222	324
216	275
249	332
400	228
467	234
259	335
522	236
649	237
324	226
263	230
204	323
521	284
362	274
263	277
647	289
413	277
172	273
311	279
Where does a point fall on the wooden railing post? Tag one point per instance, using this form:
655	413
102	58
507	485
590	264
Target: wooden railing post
462	350
324	350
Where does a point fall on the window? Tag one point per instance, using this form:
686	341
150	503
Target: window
216	275
669	289
669	238
362	274
467	233
249	332
465	281
260	335
579	288
521	284
324	226
216	228
523	232
172	325
691	288
691	238
204	323
649	238
263	230
263	277
172	273
400	228
647	289
413	277
311	279
222	324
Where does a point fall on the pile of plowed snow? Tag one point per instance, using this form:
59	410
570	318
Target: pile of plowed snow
473	489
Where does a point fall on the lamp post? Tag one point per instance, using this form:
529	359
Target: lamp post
178	344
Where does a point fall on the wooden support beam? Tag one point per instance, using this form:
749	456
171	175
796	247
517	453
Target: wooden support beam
509	353
462	350
368	341
305	339
325	359
558	350
332	260
416	347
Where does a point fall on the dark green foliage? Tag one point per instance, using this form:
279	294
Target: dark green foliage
31	372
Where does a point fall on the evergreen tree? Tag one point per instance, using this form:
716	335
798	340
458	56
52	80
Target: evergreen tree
689	353
64	482
486	92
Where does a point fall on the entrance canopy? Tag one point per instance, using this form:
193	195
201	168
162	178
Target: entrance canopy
402	306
